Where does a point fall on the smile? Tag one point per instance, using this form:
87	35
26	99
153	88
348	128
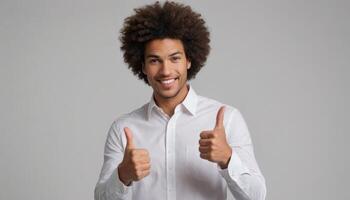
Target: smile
168	82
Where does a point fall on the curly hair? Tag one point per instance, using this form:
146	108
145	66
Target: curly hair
170	20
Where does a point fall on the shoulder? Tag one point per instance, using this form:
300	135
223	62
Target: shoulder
133	116
209	104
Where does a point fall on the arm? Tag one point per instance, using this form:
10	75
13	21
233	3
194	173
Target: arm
109	186
242	175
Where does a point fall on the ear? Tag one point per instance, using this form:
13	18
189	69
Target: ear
143	68
188	65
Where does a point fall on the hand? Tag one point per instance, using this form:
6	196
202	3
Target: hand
136	162
213	145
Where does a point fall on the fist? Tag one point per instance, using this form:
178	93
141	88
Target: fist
213	145
136	162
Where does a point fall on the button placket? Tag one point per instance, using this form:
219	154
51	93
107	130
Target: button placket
170	157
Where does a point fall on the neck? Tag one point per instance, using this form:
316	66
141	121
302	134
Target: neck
168	105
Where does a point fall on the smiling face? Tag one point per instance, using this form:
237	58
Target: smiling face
165	66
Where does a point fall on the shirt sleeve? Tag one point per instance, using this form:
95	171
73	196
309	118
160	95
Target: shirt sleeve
109	186
243	176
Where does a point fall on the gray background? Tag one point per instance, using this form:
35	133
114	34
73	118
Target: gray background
283	64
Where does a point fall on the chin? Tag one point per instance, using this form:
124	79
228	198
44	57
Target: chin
167	94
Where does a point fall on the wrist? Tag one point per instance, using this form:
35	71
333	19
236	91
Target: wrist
224	164
123	175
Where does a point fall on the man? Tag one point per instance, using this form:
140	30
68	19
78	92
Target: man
179	145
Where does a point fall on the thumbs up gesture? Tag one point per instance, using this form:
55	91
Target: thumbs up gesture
136	162
213	145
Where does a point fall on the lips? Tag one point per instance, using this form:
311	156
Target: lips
167	83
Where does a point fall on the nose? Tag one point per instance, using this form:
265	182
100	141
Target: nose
165	68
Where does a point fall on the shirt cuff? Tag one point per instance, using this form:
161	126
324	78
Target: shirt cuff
118	186
234	169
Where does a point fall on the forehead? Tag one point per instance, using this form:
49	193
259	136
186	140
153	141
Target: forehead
164	46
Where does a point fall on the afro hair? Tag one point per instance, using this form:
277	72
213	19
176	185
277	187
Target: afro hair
170	20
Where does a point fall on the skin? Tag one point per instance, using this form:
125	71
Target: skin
165	59
213	145
136	162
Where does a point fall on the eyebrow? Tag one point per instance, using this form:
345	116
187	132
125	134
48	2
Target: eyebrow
156	56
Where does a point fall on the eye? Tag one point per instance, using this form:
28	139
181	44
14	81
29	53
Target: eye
153	61
175	58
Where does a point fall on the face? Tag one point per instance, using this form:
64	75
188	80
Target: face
165	66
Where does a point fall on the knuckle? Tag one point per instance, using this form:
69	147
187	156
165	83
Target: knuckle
211	155
133	160
138	174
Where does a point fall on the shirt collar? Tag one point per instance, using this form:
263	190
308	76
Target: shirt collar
189	103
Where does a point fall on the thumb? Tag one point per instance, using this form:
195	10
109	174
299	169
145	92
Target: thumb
220	118
129	138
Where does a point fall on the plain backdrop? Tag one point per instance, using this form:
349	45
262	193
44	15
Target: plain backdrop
283	64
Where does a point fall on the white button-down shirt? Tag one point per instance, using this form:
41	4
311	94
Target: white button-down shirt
177	171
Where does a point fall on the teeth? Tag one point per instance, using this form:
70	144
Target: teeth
168	81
